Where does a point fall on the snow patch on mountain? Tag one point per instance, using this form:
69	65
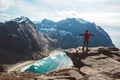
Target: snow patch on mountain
67	31
48	29
63	32
81	20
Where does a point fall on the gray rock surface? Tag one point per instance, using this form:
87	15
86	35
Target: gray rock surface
94	65
98	64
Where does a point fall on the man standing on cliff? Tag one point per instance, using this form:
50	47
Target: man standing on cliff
86	39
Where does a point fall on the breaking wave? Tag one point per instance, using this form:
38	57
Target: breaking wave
53	61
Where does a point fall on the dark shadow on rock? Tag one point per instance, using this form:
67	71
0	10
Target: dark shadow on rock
2	68
109	52
76	58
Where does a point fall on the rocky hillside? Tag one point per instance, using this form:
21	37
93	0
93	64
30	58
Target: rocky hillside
66	32
20	40
100	63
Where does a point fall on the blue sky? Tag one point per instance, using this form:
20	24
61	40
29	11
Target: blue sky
102	12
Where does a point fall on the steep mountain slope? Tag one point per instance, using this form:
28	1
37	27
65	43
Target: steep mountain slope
19	39
66	32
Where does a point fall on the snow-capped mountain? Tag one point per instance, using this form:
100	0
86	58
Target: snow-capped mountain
66	32
19	39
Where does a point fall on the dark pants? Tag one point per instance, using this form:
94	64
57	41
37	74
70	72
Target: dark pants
85	44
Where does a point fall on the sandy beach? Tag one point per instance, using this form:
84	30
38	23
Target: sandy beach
18	66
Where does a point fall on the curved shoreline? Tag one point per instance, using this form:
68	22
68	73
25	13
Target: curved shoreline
20	65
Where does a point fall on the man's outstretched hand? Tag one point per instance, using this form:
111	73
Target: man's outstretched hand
81	34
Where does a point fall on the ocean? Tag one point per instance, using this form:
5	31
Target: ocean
53	61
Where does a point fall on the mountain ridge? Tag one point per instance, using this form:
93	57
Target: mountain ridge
20	40
23	39
70	28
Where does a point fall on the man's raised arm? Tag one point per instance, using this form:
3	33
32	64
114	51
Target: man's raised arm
92	34
81	34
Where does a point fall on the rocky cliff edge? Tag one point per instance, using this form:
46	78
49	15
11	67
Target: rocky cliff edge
100	63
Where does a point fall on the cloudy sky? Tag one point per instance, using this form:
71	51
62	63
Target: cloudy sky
102	12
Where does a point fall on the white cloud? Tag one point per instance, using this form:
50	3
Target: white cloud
108	19
7	17
81	5
105	19
5	4
102	12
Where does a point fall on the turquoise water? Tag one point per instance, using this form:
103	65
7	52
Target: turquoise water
50	63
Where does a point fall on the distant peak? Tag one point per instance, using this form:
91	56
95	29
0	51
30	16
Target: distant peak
81	20
21	19
47	21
